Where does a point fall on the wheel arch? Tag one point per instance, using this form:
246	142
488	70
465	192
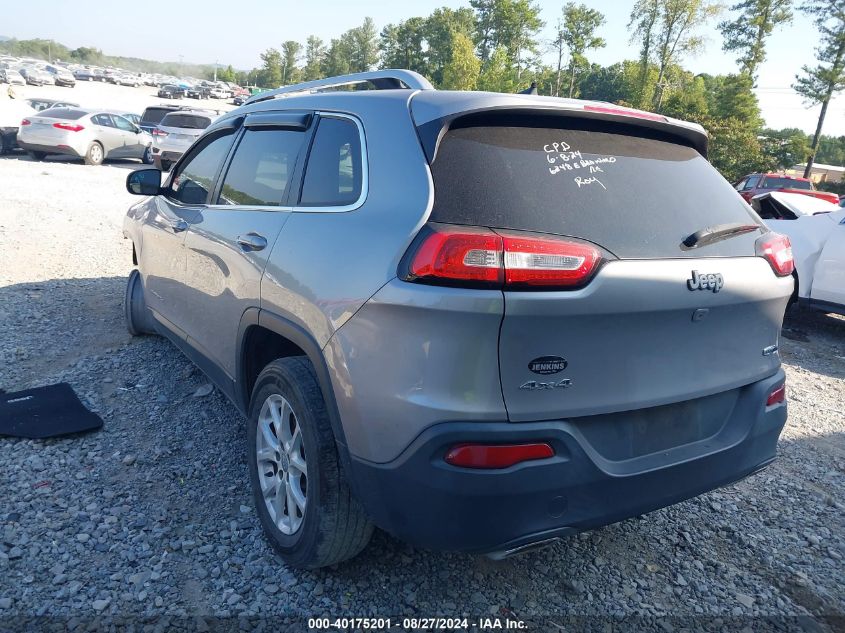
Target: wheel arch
263	334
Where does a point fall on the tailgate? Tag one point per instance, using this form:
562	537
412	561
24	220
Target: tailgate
637	336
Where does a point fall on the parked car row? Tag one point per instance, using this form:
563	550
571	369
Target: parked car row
755	184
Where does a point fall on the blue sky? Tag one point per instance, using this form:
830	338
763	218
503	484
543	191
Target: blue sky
237	31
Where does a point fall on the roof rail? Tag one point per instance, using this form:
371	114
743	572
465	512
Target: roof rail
382	80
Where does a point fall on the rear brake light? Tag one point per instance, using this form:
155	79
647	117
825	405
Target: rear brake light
480	257
69	127
777	250
777	396
157	132
496	456
26	122
532	261
637	114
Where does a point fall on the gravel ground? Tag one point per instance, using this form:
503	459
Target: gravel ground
152	517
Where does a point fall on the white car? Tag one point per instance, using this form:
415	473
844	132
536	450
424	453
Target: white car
817	231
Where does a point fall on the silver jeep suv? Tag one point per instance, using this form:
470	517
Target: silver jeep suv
481	322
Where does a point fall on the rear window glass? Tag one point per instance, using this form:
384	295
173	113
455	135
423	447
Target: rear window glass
187	121
70	114
154	115
333	173
774	182
637	197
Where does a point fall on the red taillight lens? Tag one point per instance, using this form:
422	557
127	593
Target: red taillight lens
476	256
69	127
157	132
777	250
26	122
497	455
459	254
532	261
777	396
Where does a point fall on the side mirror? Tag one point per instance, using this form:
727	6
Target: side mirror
144	182
138	130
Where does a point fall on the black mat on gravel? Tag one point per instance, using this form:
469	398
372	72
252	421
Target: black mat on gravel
45	412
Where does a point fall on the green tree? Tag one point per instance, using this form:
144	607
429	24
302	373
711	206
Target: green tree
291	51
732	97
690	103
497	74
402	45
643	25
668	31
787	147
463	69
226	74
362	46
735	149
509	24
746	34
439	29
820	83
337	59
270	75
315	54
578	33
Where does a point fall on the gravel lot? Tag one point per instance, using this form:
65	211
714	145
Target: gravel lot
152	517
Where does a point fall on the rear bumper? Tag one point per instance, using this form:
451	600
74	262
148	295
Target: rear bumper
424	501
66	150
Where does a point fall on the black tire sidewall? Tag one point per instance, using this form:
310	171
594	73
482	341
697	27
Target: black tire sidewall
300	546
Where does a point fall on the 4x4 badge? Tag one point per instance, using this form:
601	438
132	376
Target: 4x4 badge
700	281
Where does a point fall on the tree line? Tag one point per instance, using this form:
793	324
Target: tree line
495	45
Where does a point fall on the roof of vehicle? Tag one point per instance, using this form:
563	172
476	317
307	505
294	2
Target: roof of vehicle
776	175
429	105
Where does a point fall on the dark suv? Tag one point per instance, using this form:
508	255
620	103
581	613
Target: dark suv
480	321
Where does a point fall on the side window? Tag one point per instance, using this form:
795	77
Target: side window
260	171
741	184
102	119
194	178
122	123
333	173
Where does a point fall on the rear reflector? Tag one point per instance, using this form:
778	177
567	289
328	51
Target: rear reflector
777	250
637	114
777	396
496	456
69	127
480	257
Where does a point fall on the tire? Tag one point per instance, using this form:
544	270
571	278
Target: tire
165	165
330	525
147	157
95	154
37	155
139	321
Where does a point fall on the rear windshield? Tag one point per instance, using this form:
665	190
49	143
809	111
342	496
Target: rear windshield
70	114
154	115
776	182
637	197
187	121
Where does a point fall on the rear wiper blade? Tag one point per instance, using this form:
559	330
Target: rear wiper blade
719	232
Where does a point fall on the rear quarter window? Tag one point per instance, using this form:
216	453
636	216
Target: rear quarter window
636	196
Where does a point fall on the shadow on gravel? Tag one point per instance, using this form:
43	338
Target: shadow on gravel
70	160
48	325
814	341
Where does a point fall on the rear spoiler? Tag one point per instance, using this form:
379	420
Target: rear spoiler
432	129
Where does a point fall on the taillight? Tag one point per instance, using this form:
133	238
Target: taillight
777	250
539	261
457	253
69	127
157	132
777	396
496	455
26	122
479	257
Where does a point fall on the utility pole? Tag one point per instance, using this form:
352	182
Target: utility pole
215	70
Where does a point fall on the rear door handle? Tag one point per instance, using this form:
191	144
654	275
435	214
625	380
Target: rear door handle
252	242
178	225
